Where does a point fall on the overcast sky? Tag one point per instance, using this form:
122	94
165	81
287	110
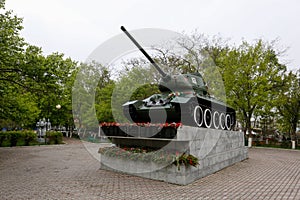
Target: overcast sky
76	27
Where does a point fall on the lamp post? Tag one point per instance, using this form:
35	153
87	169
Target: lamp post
58	106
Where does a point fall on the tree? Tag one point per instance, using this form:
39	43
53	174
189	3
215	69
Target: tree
91	95
288	104
103	102
103	95
252	75
16	56
196	53
30	83
137	83
54	86
18	111
17	105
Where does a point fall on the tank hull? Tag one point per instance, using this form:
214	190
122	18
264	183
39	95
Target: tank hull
193	111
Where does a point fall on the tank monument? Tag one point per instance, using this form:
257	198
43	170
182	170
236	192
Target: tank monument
177	136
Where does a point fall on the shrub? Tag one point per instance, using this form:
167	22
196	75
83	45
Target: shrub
17	138
29	137
54	137
5	139
2	138
286	144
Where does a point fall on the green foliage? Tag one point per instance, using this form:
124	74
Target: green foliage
17	138
288	103
144	91
136	83
103	95
54	137
31	84
252	75
29	137
110	95
58	78
103	103
18	110
91	95
186	159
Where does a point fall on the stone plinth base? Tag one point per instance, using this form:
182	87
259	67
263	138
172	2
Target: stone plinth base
215	149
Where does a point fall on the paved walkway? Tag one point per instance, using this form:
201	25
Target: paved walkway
70	172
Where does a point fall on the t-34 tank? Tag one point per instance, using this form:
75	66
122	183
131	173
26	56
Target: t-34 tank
184	98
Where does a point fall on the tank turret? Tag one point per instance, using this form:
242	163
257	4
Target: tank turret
184	98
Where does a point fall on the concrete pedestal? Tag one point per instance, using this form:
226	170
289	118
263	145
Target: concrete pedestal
215	149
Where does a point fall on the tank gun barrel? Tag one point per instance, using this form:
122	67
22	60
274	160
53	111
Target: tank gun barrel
144	52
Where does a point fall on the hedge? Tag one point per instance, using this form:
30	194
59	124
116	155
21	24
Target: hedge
17	138
54	137
27	137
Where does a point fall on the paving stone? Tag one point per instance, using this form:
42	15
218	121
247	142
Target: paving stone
70	172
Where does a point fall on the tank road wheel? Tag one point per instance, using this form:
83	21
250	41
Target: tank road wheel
232	122
207	118
216	121
228	122
222	121
198	116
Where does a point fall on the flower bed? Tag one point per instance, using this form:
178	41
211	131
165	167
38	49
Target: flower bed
149	155
161	125
166	130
